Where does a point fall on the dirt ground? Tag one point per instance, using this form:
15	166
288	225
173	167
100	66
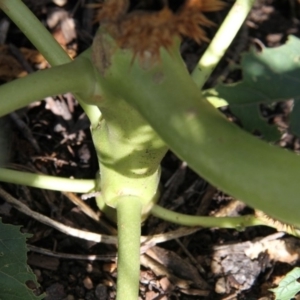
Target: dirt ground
52	137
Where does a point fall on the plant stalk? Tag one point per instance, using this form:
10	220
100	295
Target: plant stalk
57	80
204	221
47	182
221	41
42	39
39	36
129	151
129	233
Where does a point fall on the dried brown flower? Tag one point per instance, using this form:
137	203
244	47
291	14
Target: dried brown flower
146	31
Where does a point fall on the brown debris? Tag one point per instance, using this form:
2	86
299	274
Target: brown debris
146	31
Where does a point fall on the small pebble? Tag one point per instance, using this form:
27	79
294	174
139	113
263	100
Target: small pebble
101	292
88	283
220	287
60	2
55	291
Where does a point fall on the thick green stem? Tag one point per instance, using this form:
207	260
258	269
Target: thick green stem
41	38
47	182
129	151
53	81
129	232
221	41
222	222
262	175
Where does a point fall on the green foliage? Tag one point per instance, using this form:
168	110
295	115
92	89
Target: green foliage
14	271
268	76
288	286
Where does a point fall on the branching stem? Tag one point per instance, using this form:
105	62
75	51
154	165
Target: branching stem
47	181
41	38
48	82
222	222
221	41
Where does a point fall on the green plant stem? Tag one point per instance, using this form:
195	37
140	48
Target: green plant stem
129	154
238	223
261	175
129	150
53	81
222	222
47	181
129	233
41	38
221	41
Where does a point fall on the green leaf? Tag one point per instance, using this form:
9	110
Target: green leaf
14	271
288	286
252	120
268	76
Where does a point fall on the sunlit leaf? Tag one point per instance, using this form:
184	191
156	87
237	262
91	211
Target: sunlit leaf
268	76
288	286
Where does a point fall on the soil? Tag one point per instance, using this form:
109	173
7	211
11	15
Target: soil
52	137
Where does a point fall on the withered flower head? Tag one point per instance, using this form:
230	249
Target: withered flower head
145	31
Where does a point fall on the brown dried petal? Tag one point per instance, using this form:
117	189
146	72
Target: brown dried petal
147	31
